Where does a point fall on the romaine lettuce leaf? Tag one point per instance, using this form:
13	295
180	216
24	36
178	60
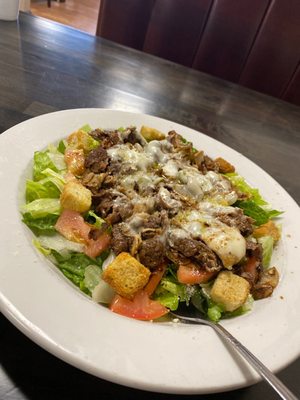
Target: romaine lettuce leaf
48	187
86	128
60	244
168	300
39	190
56	157
170	292
94	219
41	161
41	208
41	226
259	214
92	276
241	185
62	146
267	243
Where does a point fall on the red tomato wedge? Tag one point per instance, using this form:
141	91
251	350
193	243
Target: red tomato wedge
154	280
190	274
96	247
72	226
141	307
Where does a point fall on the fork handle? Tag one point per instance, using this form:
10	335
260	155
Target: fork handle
277	385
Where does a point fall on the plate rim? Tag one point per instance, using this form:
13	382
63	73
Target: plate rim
24	325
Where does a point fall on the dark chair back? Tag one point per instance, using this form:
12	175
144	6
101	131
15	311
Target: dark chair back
255	43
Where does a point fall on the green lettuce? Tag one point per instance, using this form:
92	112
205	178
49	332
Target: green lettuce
241	185
86	128
202	301
41	161
74	265
48	187
41	208
39	190
41	226
170	292
253	210
94	219
267	243
92	276
62	146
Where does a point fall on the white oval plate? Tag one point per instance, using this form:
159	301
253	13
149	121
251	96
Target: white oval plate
160	357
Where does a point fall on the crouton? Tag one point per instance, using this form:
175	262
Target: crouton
224	166
76	197
151	133
75	160
126	275
267	229
230	290
82	140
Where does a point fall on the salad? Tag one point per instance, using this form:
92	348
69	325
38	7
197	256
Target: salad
141	221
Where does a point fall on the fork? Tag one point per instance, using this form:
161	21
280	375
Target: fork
191	315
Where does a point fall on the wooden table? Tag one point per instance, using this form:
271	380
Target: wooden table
46	67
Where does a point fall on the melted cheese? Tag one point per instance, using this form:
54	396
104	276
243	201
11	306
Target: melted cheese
227	242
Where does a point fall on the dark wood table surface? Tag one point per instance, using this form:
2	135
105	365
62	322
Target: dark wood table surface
46	67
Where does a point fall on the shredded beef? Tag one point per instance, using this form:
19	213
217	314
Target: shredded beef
97	160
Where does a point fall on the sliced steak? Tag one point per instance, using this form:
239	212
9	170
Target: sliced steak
131	135
93	181
184	247
238	220
97	160
152	252
108	138
121	241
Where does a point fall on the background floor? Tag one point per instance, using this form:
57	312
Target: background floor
80	14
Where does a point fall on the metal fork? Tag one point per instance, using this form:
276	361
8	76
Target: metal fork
191	315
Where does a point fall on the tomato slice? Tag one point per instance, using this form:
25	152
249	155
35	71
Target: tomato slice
72	226
190	274
141	307
154	280
95	247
